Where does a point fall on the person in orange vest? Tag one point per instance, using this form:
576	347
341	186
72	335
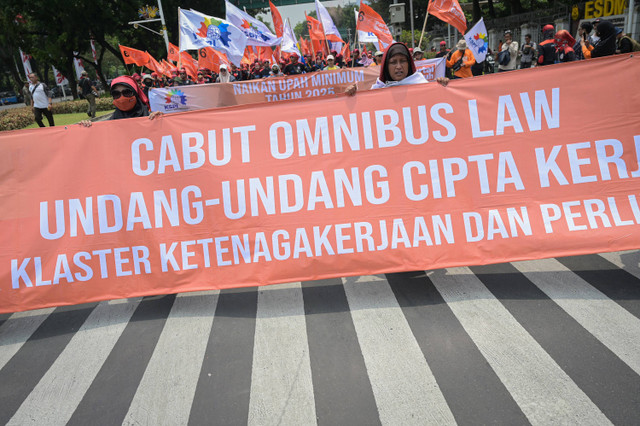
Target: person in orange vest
461	61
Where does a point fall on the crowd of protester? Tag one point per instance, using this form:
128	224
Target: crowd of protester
597	39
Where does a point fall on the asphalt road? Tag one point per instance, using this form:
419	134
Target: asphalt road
553	341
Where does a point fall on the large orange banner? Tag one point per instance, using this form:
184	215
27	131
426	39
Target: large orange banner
506	167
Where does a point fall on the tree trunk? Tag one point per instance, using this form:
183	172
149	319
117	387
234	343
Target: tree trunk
492	10
477	13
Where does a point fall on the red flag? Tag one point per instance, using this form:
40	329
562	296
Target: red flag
450	12
370	21
277	19
172	54
134	56
211	59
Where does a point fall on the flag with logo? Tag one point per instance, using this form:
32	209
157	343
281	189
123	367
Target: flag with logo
211	59
26	64
450	12
257	33
316	34
277	20
370	21
289	40
172	53
198	30
330	30
134	56
478	40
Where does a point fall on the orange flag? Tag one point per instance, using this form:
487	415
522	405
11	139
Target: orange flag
211	59
315	28
369	21
134	56
169	67
346	53
304	47
450	12
277	19
190	65
173	54
154	65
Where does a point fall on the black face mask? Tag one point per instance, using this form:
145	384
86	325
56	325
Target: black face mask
147	83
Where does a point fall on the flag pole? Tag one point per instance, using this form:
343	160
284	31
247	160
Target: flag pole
423	27
353	59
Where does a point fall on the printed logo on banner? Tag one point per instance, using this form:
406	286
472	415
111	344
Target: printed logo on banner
480	42
175	99
213	31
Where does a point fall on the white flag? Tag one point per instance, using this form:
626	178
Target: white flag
93	51
77	64
257	33
330	30
478	41
289	43
25	63
198	30
60	79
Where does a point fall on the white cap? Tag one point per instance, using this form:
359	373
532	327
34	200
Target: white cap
331	57
379	53
223	66
417	50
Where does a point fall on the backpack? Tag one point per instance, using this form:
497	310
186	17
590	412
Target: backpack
635	45
504	57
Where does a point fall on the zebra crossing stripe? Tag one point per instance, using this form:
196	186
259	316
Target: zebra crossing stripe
31	362
281	384
614	326
17	330
606	379
627	260
617	284
58	393
341	387
107	400
473	391
224	382
166	390
404	387
541	388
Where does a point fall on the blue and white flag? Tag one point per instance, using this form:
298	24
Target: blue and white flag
257	33
289	43
478	41
198	30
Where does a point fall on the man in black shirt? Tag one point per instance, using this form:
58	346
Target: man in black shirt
89	92
294	67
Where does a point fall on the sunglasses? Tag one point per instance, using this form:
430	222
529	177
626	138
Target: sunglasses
127	93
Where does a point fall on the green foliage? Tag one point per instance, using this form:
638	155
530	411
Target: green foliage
19	118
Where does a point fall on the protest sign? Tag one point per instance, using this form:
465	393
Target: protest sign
311	85
494	169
